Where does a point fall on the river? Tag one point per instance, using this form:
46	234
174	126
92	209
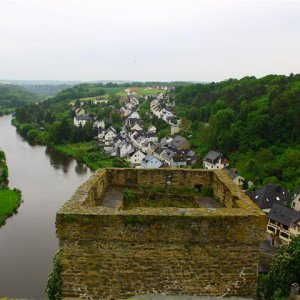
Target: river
27	240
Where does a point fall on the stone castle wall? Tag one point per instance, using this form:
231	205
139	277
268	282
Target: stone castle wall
110	254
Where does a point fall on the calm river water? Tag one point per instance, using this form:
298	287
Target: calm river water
27	241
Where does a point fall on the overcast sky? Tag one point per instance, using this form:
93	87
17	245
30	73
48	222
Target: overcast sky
200	40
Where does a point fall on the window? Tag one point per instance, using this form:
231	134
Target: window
283	234
271	228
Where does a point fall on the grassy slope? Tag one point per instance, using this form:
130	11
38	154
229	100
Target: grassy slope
9	201
120	91
90	154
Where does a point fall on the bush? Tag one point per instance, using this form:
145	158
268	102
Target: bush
32	135
285	270
54	283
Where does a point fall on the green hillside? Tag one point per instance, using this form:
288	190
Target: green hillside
12	96
255	122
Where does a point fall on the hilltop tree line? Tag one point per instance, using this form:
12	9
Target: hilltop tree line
253	121
12	96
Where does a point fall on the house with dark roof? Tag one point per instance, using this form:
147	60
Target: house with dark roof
136	158
215	160
239	180
81	120
178	161
268	195
180	143
283	224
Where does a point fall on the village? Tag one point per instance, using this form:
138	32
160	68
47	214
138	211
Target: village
138	145
142	148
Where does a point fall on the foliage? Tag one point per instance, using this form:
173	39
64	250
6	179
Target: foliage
207	191
3	170
128	194
80	91
10	200
15	96
90	154
243	117
54	283
285	270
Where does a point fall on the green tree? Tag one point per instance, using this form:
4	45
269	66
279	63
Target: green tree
285	270
54	283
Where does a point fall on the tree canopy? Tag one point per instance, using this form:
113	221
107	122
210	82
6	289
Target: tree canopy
285	270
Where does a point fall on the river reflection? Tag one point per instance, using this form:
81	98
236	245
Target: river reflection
58	160
27	241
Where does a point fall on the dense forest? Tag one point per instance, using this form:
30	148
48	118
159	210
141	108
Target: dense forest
255	122
12	96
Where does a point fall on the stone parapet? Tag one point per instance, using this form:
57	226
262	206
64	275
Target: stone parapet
114	254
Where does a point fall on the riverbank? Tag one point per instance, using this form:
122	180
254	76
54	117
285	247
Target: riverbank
28	242
10	200
90	154
85	152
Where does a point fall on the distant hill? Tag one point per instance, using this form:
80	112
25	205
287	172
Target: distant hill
12	96
46	90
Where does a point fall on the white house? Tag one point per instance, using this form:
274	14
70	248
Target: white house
136	127
81	120
150	162
215	160
99	101
110	134
239	180
136	158
99	124
148	147
101	133
134	115
125	149
296	201
152	129
79	111
166	156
